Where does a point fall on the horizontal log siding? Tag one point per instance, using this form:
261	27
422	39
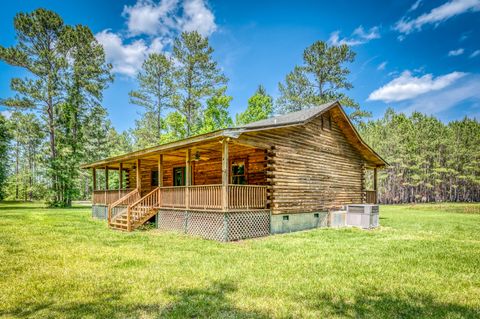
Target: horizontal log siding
314	168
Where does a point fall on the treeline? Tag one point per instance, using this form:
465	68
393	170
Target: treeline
430	161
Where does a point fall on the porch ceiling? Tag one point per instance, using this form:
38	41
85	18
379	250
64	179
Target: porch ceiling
203	150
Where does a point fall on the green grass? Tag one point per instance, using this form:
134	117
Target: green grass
59	263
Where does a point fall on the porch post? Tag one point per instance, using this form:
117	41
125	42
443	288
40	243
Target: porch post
106	178
225	174
120	177
94	175
106	184
375	183
137	172
160	170
188	177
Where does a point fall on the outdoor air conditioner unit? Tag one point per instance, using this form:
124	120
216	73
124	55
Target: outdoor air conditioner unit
362	215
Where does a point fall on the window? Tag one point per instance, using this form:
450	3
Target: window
179	176
154	178
239	172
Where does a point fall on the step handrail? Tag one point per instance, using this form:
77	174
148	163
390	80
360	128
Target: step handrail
123	200
137	203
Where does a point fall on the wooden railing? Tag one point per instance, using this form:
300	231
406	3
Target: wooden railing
173	197
141	207
370	197
247	196
107	197
205	197
120	206
209	197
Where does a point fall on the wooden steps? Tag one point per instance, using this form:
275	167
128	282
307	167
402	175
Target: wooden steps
121	222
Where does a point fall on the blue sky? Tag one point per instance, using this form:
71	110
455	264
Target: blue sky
411	55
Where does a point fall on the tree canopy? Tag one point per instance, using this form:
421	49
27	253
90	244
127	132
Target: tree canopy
322	78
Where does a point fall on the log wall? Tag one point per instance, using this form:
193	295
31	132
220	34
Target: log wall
315	167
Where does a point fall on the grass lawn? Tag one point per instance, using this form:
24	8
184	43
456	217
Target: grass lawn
59	263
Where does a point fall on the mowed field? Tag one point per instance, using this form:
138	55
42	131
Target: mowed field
423	262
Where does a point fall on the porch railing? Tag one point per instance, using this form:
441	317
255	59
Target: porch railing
209	197
247	196
172	197
107	197
200	197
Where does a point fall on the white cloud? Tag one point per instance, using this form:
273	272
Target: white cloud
475	53
467	89
151	26
437	15
198	17
6	113
407	86
359	36
169	16
415	5
382	66
456	52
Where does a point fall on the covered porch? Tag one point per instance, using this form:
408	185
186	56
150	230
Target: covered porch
217	176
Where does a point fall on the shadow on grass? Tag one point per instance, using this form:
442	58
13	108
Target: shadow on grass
367	304
209	302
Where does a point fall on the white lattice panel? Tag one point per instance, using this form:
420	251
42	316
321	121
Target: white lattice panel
172	220
216	225
251	224
206	225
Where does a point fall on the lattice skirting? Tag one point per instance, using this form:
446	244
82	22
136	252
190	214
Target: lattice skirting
219	226
100	211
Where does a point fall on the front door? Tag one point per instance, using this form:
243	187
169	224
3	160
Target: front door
179	176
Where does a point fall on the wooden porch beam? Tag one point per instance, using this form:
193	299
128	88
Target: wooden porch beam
106	178
188	177
120	176
225	174
94	175
138	176
375	184
160	170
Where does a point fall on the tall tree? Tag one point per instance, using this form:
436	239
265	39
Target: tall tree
320	79
216	113
38	51
66	75
197	77
87	76
28	137
155	93
4	143
260	107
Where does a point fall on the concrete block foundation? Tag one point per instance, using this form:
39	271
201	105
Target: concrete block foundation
286	223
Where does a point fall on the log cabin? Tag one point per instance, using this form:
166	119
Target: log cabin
282	174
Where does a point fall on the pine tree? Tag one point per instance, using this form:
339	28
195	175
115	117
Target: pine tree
260	107
155	94
197	77
66	76
319	80
4	143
